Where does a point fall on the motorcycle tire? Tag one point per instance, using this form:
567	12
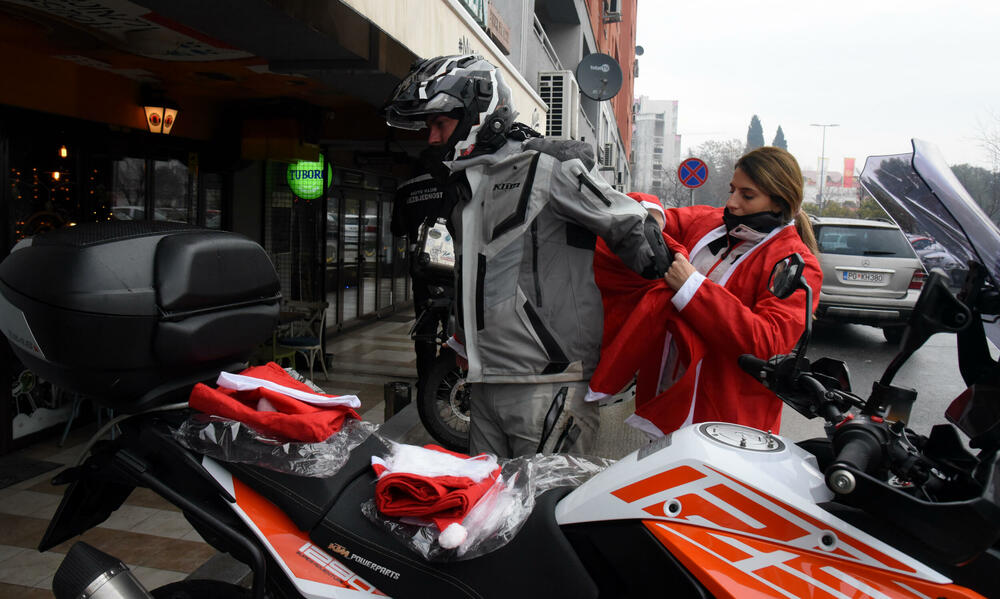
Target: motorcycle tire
200	589
443	404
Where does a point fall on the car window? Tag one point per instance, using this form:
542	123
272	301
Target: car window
862	241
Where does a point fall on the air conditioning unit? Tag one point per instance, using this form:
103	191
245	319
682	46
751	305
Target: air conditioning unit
609	154
561	93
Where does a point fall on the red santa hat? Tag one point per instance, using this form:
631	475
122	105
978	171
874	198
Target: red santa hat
432	483
649	202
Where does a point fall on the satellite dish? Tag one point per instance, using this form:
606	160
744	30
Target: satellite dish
639	50
599	76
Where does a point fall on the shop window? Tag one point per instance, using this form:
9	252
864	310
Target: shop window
128	189
173	192
212	197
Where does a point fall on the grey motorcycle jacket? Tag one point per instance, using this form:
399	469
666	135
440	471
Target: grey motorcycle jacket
528	309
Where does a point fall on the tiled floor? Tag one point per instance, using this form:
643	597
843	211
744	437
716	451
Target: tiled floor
150	534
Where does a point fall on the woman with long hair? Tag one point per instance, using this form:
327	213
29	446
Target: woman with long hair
686	335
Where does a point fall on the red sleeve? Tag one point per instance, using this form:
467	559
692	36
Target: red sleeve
767	327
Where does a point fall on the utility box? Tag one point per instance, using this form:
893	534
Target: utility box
397	397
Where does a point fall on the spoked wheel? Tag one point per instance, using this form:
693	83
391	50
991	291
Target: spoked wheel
444	404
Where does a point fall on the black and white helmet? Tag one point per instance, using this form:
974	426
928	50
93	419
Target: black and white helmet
465	87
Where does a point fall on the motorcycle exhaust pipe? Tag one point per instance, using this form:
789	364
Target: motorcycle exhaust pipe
88	573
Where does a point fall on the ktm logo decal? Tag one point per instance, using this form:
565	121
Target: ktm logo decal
506	186
339	549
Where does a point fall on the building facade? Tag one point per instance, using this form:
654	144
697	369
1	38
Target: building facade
656	145
216	113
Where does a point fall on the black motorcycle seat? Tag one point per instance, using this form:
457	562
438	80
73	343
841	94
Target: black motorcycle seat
538	562
307	499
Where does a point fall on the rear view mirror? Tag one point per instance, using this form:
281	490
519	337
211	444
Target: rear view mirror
786	276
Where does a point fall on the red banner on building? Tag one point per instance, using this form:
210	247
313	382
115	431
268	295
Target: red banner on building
848	172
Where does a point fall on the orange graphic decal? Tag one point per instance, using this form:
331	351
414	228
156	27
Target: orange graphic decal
304	559
843	539
733	565
658	482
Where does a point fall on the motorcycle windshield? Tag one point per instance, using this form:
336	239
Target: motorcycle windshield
942	222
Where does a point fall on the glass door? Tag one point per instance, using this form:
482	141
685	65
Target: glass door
369	253
351	244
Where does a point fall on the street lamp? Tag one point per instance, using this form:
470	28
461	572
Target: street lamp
822	163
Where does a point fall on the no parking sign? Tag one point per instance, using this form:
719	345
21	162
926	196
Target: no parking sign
692	173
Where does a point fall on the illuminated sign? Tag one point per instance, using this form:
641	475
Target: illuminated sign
306	178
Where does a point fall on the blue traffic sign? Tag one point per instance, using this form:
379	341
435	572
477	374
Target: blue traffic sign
692	172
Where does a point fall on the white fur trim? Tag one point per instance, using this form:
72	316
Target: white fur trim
457	346
644	425
654	206
421	461
453	535
239	382
689	419
687	290
595	395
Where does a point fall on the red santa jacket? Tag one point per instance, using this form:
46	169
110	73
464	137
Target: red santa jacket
715	325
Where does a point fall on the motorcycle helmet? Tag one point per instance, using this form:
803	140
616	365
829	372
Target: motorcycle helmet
464	87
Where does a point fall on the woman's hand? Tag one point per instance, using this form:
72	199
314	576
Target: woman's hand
679	271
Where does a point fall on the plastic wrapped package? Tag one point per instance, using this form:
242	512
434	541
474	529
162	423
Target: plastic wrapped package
499	514
231	441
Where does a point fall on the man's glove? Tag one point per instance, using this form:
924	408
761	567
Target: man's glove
661	253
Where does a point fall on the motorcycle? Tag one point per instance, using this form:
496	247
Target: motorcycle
713	509
442	396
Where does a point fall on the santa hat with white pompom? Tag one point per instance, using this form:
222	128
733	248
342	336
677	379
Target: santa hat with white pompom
433	484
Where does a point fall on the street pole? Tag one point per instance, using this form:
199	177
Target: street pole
822	164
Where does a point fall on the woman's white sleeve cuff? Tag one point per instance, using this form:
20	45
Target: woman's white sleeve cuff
687	290
594	395
457	346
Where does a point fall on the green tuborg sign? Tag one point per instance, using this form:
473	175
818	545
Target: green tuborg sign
306	178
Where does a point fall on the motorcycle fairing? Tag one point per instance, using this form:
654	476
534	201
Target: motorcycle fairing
315	573
733	565
696	479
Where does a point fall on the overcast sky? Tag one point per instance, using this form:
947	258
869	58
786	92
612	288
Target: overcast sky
884	70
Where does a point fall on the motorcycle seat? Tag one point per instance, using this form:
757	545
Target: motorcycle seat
306	499
538	562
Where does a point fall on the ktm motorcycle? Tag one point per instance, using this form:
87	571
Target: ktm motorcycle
712	510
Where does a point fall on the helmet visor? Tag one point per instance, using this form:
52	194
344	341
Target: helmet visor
413	115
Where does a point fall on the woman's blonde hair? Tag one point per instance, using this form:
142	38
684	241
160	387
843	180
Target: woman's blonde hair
777	173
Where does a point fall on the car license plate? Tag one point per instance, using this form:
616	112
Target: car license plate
863	277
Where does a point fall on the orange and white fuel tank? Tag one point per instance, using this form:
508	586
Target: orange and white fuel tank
739	508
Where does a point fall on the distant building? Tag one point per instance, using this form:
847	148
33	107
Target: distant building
656	146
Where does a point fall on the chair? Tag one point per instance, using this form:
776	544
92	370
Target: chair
305	335
272	352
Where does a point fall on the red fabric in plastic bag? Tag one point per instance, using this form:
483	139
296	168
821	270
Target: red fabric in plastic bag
442	499
294	419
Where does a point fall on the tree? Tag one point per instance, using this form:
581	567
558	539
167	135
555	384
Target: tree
870	209
779	139
983	186
721	157
755	134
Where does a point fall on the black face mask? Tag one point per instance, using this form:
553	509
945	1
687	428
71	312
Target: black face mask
760	222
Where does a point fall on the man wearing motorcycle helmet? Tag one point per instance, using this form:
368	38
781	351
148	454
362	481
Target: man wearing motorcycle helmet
526	215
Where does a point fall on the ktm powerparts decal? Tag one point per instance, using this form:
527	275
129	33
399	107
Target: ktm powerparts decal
346	554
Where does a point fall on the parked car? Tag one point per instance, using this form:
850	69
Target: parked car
933	255
870	274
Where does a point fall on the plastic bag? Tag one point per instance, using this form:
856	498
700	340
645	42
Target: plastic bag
500	513
231	441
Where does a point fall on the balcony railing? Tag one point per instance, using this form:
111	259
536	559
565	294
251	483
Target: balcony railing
543	39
